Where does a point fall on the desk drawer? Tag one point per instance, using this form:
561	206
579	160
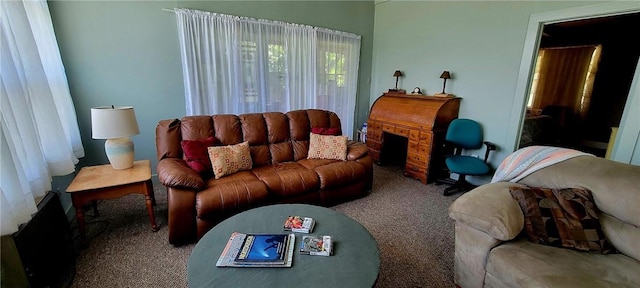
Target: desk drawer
424	149
426	137
402	131
375	145
374	135
389	128
414	135
413	147
376	125
417	159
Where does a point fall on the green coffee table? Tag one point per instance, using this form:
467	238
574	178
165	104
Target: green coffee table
355	262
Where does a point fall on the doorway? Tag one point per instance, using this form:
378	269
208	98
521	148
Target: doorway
587	70
563	19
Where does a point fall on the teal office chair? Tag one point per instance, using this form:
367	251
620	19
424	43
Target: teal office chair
464	134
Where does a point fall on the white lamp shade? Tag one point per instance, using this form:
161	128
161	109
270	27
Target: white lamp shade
108	122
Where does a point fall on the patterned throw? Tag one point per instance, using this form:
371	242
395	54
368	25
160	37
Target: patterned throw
531	159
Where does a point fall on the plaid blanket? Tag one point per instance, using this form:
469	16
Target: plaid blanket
531	159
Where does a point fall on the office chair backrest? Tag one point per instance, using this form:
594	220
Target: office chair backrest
465	133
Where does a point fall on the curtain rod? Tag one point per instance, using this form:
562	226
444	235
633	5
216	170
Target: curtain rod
274	22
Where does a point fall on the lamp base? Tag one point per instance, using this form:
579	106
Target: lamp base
401	91
120	152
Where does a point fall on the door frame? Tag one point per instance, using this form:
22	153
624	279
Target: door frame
527	65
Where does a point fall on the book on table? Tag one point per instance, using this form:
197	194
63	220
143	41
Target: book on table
257	250
296	223
263	248
316	245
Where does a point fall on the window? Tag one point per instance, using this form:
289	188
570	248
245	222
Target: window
241	65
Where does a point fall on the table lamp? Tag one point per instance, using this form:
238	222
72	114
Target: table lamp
116	124
445	75
396	74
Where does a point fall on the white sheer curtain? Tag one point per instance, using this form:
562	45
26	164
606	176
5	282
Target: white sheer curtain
40	135
241	65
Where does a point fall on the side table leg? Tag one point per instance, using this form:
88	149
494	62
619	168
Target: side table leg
95	208
150	199
81	225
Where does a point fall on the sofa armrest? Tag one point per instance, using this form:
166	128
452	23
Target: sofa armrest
490	209
174	172
356	150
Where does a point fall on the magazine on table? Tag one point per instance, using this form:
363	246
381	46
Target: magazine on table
257	250
300	224
316	245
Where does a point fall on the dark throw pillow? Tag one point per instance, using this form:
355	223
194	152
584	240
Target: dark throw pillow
325	131
562	218
196	155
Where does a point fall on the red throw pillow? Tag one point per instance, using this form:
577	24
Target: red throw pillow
196	155
325	131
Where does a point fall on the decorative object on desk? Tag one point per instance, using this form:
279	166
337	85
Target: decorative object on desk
316	245
295	223
445	75
363	133
116	124
416	91
396	74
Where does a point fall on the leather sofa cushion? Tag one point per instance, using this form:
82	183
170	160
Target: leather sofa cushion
287	179
523	264
232	193
339	174
174	172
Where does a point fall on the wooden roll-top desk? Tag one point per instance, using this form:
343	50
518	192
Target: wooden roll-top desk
423	120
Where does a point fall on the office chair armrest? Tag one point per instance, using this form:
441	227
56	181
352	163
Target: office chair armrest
490	147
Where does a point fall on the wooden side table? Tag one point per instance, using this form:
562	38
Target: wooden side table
103	182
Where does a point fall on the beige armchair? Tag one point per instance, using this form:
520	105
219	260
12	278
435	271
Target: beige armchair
490	250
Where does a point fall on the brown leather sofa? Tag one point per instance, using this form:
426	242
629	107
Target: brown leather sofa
281	172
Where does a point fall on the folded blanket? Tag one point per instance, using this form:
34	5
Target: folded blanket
531	159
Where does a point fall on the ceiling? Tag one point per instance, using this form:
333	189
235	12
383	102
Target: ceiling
596	29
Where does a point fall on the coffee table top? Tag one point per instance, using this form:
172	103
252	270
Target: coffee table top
355	262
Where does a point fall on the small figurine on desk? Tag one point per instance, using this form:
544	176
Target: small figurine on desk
416	91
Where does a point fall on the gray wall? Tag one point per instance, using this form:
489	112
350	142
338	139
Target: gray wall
480	42
126	53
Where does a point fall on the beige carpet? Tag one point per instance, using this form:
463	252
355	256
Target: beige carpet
408	220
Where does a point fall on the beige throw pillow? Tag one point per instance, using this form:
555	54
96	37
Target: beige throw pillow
230	159
327	147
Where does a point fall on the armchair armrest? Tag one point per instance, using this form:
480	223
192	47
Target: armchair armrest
174	172
356	150
490	209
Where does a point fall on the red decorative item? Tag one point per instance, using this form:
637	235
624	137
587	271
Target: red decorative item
325	131
196	154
